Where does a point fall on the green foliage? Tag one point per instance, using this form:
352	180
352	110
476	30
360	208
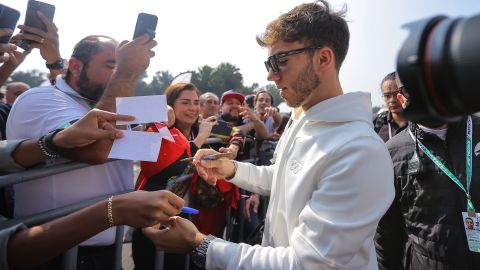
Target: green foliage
32	77
272	89
208	79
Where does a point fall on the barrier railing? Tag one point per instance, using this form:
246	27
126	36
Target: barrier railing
70	256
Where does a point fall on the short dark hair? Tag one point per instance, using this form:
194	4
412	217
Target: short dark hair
87	47
314	24
261	92
389	77
174	91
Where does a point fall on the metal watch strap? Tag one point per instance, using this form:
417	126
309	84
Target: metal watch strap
199	254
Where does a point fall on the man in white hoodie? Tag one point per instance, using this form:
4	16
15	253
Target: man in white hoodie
332	179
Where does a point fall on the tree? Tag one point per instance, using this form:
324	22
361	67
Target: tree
202	78
226	77
32	77
161	80
141	88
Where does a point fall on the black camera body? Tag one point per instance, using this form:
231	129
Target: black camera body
439	65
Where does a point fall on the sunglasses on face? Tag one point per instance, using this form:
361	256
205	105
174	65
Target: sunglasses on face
272	61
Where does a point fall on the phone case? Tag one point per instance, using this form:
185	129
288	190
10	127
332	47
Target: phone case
146	23
32	19
8	19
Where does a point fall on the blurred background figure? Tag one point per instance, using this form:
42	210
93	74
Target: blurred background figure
390	122
13	90
209	105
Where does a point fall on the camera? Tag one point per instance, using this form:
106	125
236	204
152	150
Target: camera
439	66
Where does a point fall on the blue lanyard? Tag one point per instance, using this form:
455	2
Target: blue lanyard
444	168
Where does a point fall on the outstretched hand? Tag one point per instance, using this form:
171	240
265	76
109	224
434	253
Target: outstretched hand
142	209
95	125
211	170
181	236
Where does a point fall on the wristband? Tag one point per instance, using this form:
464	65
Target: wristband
48	153
51	147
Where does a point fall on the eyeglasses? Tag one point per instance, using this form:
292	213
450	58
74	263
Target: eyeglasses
272	61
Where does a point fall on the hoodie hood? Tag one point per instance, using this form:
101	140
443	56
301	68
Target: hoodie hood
356	106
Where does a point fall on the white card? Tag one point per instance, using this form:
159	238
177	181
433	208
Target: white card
137	145
146	109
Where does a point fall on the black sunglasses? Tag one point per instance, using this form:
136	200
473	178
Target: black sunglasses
272	61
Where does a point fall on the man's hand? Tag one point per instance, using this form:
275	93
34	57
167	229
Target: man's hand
95	125
204	129
232	149
7	48
142	209
211	170
47	42
133	57
248	114
181	236
252	201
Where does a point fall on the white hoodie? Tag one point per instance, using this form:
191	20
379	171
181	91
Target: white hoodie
330	185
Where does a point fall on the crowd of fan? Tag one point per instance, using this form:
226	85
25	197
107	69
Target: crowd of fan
73	89
70	118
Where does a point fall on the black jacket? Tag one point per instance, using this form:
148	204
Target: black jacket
380	125
424	229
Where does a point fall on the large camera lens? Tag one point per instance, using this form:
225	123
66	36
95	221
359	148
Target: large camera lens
439	64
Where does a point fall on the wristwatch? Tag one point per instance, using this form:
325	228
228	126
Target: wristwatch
199	254
60	64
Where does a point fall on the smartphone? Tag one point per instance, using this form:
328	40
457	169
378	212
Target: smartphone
222	130
8	19
32	19
146	23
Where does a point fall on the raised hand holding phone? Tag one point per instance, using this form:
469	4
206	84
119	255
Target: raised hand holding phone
32	19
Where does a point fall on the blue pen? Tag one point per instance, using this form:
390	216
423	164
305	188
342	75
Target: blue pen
189	210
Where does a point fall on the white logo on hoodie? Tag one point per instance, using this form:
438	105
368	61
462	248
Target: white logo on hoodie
295	166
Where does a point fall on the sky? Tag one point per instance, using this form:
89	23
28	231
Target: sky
193	33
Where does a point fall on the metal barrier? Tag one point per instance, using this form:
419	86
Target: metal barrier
70	256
